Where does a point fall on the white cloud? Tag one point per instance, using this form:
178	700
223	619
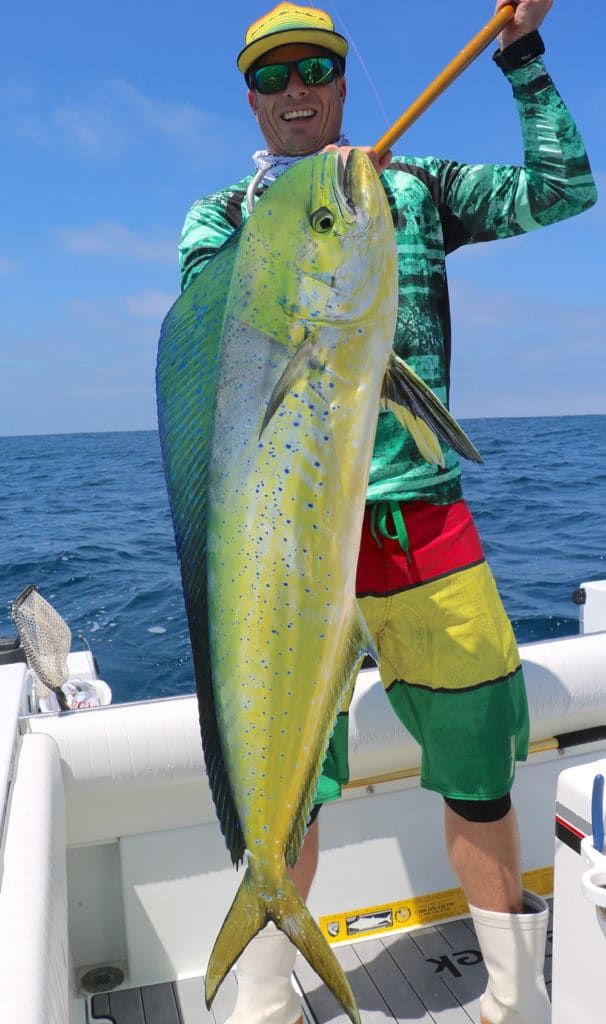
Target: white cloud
127	321
180	121
149	304
114	116
8	266
516	354
98	132
85	127
111	239
486	311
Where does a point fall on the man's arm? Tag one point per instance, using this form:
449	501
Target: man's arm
484	202
208	225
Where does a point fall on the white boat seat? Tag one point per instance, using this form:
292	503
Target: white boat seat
33	891
109	754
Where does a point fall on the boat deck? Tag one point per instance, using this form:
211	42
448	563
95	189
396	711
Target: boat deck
430	975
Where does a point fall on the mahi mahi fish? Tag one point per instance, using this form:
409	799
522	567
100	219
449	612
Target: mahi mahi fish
271	369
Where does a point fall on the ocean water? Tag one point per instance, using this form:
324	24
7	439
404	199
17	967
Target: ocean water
85	517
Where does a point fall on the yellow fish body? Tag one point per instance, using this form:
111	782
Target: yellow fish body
271	369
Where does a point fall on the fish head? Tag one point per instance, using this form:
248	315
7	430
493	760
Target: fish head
318	251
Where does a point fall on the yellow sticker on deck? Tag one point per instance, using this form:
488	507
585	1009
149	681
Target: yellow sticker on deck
414	912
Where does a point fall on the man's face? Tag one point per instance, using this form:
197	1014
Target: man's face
302	118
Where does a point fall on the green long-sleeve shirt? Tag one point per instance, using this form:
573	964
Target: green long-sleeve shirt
437	206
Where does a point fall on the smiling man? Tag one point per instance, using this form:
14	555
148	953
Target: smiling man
299	118
462	696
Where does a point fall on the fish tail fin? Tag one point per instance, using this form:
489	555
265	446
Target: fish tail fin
244	919
250	912
295	920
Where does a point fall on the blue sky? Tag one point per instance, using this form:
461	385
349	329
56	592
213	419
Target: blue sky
115	117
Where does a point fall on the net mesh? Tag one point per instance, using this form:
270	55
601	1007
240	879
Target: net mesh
46	639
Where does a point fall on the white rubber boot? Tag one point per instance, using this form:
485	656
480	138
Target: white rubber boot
265	990
513	947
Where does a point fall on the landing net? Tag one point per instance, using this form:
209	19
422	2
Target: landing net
46	639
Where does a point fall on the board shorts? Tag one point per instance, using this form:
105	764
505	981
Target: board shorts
448	657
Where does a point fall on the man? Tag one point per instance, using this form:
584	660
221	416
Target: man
420	555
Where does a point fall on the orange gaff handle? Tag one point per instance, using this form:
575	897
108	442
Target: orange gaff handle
446	77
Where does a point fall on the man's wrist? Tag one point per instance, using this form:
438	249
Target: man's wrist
517	54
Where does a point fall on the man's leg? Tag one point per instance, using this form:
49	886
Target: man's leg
264	970
510	923
451	669
485	857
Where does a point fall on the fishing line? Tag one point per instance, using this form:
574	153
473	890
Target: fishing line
362	64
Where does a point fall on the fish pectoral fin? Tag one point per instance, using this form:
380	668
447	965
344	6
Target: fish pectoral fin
423	436
422	413
297	369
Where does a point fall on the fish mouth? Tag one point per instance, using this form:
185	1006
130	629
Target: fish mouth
356	184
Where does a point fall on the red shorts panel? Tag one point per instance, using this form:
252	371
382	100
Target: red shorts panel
442	539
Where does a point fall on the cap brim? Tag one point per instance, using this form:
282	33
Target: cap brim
327	40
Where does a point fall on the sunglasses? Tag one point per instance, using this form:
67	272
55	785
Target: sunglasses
311	70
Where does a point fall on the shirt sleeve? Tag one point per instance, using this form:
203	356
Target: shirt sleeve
484	202
208	225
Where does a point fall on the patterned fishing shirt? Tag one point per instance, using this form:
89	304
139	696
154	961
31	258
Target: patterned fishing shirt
438	206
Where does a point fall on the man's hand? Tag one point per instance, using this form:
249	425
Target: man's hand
379	163
528	16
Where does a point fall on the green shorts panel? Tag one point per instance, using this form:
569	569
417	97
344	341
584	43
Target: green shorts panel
470	740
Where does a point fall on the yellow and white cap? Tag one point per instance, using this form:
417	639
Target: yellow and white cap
290	23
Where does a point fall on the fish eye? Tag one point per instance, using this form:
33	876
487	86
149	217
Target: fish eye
322	220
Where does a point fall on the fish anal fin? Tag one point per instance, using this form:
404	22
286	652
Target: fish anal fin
358	643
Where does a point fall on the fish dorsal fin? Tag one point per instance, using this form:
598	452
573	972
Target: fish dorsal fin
190	339
422	413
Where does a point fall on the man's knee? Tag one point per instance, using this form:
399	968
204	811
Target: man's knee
481	810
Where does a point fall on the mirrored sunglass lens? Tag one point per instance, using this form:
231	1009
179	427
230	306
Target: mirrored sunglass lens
316	70
313	71
272	78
